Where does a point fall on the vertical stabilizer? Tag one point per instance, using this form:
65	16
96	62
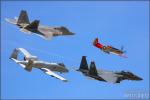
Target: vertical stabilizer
95	41
23	18
83	64
34	25
93	70
14	54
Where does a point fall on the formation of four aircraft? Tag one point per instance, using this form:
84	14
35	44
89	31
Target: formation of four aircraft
46	32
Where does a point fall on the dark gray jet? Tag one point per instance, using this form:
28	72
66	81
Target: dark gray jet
103	75
44	31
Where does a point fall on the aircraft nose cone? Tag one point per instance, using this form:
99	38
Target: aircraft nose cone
68	33
139	78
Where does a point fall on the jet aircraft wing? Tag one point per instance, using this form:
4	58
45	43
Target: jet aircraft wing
49	72
109	77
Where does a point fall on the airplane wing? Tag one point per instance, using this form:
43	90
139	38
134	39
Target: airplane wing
49	72
109	77
115	51
46	36
44	32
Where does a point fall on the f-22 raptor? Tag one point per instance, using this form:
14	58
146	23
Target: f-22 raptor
103	75
34	27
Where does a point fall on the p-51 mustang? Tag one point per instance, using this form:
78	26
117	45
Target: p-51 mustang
109	49
103	75
30	61
43	31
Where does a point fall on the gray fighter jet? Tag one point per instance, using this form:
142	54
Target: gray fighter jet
30	61
44	31
103	75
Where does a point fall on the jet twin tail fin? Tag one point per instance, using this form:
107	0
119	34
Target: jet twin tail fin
23	18
93	70
33	25
83	64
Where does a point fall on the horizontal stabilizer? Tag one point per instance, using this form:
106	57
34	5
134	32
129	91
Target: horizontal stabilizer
21	63
12	21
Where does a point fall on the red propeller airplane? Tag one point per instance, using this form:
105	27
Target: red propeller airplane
109	49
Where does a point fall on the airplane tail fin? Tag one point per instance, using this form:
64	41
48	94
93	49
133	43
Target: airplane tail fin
95	41
23	18
33	25
83	64
14	54
97	44
93	70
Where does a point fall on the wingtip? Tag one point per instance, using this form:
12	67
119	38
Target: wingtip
65	80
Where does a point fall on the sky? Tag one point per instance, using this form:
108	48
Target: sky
114	23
